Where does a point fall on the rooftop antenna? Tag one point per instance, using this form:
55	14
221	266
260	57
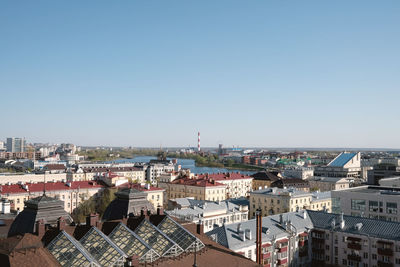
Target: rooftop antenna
44	185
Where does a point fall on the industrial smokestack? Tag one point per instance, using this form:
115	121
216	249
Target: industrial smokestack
198	141
258	237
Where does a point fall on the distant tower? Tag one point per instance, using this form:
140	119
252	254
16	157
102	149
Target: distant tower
198	141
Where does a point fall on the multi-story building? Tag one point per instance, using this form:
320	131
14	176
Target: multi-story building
237	184
390	182
12	178
2	147
346	164
154	170
275	200
298	172
71	193
368	201
153	194
382	170
210	214
200	189
264	179
340	240
328	183
135	174
296	183
284	239
15	144
314	238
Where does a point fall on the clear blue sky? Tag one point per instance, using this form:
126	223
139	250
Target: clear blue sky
247	73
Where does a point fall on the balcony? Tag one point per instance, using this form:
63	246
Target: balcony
354	257
385	251
266	255
385	264
354	246
282	261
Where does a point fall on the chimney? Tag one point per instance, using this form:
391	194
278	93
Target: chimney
242	236
40	227
200	228
92	219
248	234
342	223
133	261
304	214
281	219
61	223
160	210
258	237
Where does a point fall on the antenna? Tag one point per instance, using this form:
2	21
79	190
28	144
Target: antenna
44	185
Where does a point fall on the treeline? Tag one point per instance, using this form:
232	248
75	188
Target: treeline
95	204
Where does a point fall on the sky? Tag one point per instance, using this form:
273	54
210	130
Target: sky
243	73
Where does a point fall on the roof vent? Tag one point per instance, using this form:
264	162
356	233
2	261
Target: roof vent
358	226
248	234
239	227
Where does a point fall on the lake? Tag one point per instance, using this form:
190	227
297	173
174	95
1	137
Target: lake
185	164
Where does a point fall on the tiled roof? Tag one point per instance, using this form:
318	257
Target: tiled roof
50	186
111	169
265	176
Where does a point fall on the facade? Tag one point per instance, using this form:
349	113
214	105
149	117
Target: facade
328	183
315	238
296	183
346	164
16	145
283	239
368	201
71	193
299	172
237	184
134	174
275	201
7	179
156	169
210	214
154	195
390	182
381	171
200	189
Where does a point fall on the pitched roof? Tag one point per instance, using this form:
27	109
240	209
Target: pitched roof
224	176
370	227
342	159
55	167
50	186
266	176
202	182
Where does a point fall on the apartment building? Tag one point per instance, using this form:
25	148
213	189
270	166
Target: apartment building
368	201
314	238
200	189
328	183
275	200
208	213
71	193
237	184
134	174
340	240
12	178
298	172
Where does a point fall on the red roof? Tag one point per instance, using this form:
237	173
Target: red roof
39	187
139	187
224	176
111	169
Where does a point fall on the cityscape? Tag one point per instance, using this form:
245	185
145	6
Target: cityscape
199	134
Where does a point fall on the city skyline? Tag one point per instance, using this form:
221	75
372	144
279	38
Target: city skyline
259	74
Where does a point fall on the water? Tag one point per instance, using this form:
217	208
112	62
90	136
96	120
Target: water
185	164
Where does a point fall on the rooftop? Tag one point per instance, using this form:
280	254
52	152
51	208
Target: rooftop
281	191
372	189
342	159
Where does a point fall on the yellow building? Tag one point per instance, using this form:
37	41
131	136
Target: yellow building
200	189
275	200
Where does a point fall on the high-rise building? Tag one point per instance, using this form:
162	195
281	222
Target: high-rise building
15	144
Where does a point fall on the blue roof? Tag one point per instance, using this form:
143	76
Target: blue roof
342	159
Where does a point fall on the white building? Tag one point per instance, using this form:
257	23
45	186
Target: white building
299	172
368	201
210	214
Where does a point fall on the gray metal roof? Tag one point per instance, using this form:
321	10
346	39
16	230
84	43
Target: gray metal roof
228	235
280	191
370	227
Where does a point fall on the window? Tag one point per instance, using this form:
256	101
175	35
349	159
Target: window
397	261
391	207
365	255
374	256
249	254
373	206
357	204
17	200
